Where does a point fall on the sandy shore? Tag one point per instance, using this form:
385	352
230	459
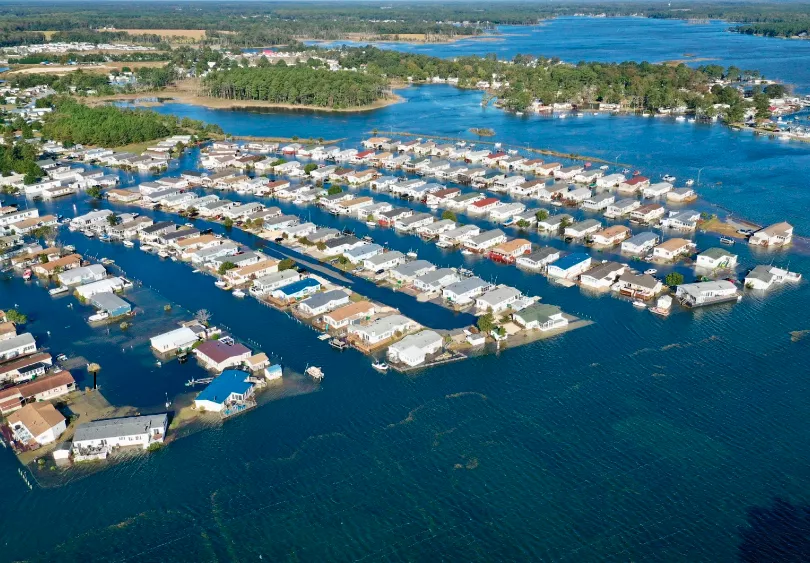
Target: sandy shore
411	38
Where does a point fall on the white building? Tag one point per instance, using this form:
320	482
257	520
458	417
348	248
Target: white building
178	339
413	349
97	438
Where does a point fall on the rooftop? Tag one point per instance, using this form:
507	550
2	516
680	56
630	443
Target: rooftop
116	427
230	381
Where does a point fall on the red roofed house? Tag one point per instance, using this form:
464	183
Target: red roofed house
494	158
485	205
219	356
634	184
40	389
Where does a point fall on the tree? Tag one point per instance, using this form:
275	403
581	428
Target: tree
113	219
310	167
225	266
94	368
486	323
228	223
334	190
14	316
541	215
203	316
94	192
286	264
447	214
523	224
564	222
674	278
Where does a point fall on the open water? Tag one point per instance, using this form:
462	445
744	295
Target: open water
636	438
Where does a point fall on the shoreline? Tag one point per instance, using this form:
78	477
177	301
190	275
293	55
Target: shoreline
178	96
402	39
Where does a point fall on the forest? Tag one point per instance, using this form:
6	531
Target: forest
297	85
74	123
20	157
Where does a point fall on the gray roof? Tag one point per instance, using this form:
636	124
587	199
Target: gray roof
540	312
761	272
716	253
340	241
15	341
411	268
108	301
644	280
467	285
641	238
541	254
363	250
601	271
325	232
499	294
320	299
415	218
626	202
117	427
386	257
433	277
421	340
586	224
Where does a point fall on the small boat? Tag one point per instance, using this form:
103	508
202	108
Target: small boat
325	336
195	271
104	237
371	224
128	243
61	358
727	240
315	372
668	178
100	316
106	261
680	118
338	344
639	304
220	283
69	248
59	290
89	234
690	182
651	271
27	275
163	254
380	366
466	252
518	113
411	254
604	167
238	293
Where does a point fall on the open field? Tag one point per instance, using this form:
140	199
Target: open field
195	34
64	69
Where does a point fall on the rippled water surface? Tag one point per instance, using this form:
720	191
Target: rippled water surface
636	438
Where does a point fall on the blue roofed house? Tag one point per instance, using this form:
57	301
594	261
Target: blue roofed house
232	387
570	266
297	290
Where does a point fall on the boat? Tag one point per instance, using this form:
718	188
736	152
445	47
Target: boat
238	293
639	304
104	237
88	234
220	283
195	271
466	252
668	178
325	336
727	240
651	271
69	248
371	224
59	290
163	254
27	275
518	113
411	254
128	243
100	316
61	358
338	344
315	372
604	167
690	182
106	261
680	118
380	366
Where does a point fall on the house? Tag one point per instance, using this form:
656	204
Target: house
507	252
297	290
497	300
622	207
541	316
360	253
407	272
458	235
673	249
485	241
569	266
634	185
381	329
681	195
25	368
483	206
40	389
567	172
779	234
96	439
506	211
347	314
86	274
764	276
610	236
716	258
656	190
528	189
582	229
60	264
105	285
18	345
179	339
384	261
701	294
244	274
538	259
640	243
577	196
37	424
465	291
341	245
231	387
637	286
217	355
266	284
647	213
111	304
602	275
413	222
432	230
685	220
598	202
414	348
321	303
436	280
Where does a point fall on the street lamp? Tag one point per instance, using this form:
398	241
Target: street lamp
699	171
